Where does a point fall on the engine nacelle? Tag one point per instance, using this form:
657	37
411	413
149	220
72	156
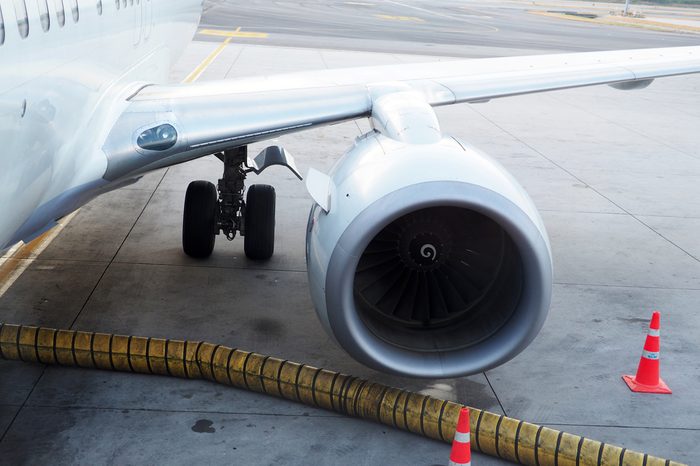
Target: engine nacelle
429	260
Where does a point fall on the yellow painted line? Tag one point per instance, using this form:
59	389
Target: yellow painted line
400	18
15	265
237	33
622	21
640	22
197	72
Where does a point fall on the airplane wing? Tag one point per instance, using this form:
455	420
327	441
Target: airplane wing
165	125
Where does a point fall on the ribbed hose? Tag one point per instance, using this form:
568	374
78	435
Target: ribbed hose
493	434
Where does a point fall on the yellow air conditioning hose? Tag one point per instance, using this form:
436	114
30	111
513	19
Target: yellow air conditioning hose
492	434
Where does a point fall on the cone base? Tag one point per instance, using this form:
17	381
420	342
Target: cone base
661	388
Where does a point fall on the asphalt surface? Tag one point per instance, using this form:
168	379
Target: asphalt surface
616	176
428	27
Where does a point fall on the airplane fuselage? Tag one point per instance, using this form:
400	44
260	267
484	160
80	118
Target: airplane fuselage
64	74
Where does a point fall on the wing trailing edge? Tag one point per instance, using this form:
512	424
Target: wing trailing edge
212	116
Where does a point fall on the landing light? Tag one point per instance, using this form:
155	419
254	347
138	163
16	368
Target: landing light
160	138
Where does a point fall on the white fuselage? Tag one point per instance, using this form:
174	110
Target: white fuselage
62	86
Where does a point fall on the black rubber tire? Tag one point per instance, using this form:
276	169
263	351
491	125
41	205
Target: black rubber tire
199	219
259	239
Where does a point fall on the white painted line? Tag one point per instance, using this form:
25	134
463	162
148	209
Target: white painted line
9	253
44	242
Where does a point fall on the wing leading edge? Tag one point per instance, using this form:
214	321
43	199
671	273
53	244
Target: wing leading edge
212	116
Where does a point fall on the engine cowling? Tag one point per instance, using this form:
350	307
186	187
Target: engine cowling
429	260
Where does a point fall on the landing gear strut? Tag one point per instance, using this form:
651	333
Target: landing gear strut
212	209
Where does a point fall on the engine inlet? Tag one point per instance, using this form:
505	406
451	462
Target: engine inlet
444	277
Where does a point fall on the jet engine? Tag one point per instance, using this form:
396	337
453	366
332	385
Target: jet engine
426	260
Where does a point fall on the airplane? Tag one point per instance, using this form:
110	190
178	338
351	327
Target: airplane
425	257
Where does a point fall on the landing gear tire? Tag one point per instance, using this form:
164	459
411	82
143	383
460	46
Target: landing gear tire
199	219
259	239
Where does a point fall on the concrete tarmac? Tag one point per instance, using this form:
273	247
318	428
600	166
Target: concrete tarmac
488	27
615	174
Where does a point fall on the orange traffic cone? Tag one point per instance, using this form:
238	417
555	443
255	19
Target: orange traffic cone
461	454
647	379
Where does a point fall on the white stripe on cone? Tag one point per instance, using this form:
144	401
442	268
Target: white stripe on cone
462	437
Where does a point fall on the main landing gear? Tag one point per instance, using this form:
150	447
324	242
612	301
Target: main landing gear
210	210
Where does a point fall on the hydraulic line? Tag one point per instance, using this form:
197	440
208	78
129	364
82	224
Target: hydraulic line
492	434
